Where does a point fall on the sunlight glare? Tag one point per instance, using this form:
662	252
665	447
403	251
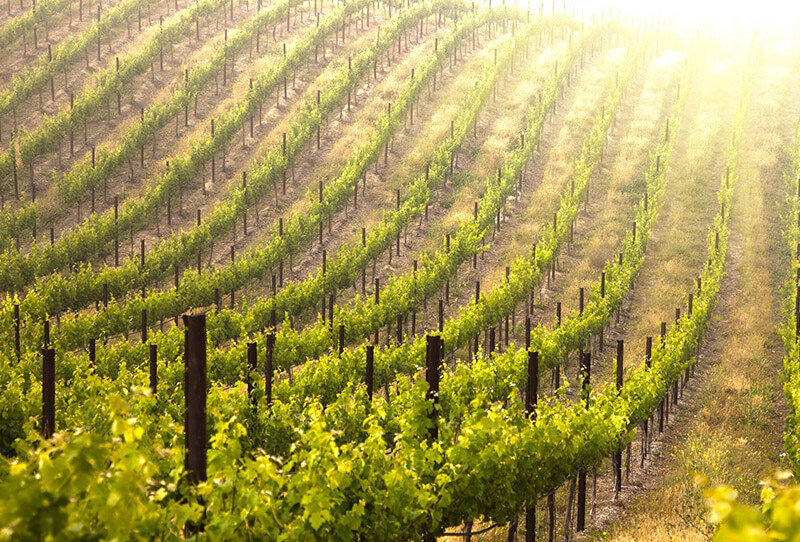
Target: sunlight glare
689	14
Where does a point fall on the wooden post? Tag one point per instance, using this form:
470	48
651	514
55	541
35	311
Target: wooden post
602	295
581	516
432	361
369	376
48	392
527	332
252	364
557	368
603	284
532	389
663	412
16	330
153	368
648	355
268	369
195	390
330	310
531	399
144	326
618	453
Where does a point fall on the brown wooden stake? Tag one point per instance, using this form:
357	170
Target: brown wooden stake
531	399
92	352
581	515
153	368
369	375
48	392
16	331
618	453
195	391
268	368
648	355
603	284
432	364
252	365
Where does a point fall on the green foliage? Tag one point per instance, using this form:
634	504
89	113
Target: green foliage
198	289
791	362
83	176
107	82
338	468
59	291
778	517
402	294
40	13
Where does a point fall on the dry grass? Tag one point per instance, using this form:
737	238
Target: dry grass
403	167
469	185
546	176
552	177
617	186
277	120
676	250
561	161
730	430
411	149
408	158
143	92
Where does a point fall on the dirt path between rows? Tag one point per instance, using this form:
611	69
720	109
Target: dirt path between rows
728	427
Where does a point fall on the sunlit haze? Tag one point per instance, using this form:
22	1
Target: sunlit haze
687	14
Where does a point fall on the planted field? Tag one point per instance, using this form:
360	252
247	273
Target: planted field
402	270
